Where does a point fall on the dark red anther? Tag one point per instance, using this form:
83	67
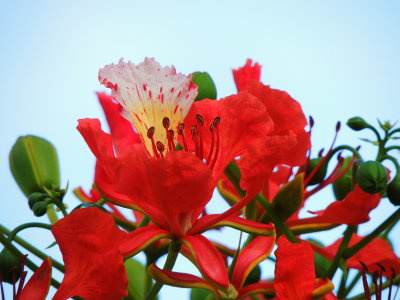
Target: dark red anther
195	137
165	123
358	148
216	122
338	124
160	148
320	152
200	119
194	131
150	132
311	121
181	128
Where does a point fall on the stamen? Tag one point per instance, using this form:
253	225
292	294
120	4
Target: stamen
171	145
161	148
195	135
365	281
200	122
391	282
212	144
181	131
165	123
215	124
150	135
375	277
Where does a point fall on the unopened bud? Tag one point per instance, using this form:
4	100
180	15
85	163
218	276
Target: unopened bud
34	164
10	266
344	185
372	177
35	198
205	85
393	191
319	176
40	208
357	123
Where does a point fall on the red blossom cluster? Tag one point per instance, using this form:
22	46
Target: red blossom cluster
163	158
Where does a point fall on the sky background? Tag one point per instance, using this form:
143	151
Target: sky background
337	58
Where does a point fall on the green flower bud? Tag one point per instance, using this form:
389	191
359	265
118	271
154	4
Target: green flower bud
34	164
372	177
40	208
206	86
344	185
320	174
357	123
289	198
393	191
10	266
36	197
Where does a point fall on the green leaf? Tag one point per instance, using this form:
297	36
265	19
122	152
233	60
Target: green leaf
34	164
136	273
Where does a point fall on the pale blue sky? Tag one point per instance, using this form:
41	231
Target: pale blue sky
338	58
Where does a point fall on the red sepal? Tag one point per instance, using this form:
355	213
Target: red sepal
208	260
294	270
140	238
183	280
94	269
239	223
254	253
38	285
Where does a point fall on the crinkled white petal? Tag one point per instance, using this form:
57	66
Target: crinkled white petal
148	93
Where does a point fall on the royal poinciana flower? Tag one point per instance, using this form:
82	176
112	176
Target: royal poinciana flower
376	254
295	275
220	284
287	143
94	268
172	187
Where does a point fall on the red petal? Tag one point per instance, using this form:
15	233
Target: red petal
377	251
294	270
179	279
94	269
172	191
209	260
254	253
38	286
140	238
243	121
352	210
121	129
245	74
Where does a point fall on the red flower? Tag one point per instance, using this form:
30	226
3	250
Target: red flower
155	179
94	269
294	272
286	144
377	252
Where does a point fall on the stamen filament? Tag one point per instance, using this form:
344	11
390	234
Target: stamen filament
181	131
212	144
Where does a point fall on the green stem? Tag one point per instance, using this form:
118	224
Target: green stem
235	257
173	252
345	147
352	284
32	249
275	219
51	214
101	202
392	148
396	280
394	131
343	280
361	244
60	206
342	248
13	233
30	264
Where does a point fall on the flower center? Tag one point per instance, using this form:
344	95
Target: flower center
146	92
197	133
